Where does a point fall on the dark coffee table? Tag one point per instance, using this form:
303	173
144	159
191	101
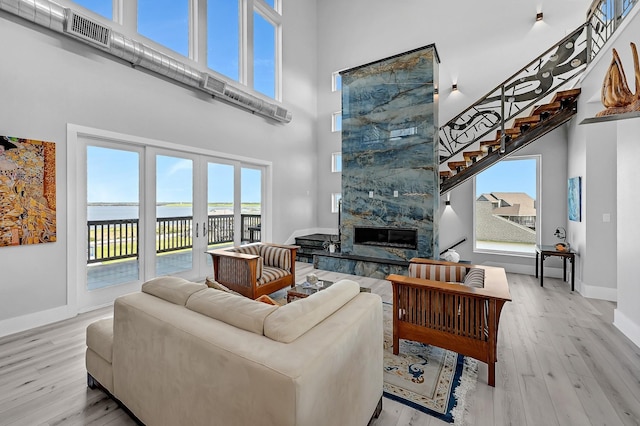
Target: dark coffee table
301	291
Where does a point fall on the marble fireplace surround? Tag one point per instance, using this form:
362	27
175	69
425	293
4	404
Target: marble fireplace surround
390	184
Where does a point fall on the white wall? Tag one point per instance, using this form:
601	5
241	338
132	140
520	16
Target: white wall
627	314
480	45
593	155
457	221
48	80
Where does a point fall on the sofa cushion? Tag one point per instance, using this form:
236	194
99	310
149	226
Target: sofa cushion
276	256
294	319
172	289
100	338
446	273
238	311
270	273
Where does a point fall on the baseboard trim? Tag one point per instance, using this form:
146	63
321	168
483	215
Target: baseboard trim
595	292
627	326
36	319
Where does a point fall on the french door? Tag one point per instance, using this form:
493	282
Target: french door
151	211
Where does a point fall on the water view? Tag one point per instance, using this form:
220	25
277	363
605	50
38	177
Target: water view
130	211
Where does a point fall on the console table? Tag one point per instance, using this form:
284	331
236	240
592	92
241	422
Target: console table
542	252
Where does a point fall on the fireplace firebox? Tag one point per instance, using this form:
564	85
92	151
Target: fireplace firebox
386	237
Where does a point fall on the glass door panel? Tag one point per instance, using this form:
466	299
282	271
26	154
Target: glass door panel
220	204
251	201
174	215
113	217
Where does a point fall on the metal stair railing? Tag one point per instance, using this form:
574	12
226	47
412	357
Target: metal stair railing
532	84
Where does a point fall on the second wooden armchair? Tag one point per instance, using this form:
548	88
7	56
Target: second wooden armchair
257	269
433	306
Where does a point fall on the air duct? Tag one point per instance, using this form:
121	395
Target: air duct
68	22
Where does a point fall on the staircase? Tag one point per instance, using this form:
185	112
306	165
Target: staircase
529	104
542	119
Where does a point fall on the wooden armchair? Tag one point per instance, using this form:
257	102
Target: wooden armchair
433	307
257	269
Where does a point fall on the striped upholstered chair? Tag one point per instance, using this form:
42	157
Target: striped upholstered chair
454	306
256	269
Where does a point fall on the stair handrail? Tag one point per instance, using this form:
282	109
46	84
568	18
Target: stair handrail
453	246
557	66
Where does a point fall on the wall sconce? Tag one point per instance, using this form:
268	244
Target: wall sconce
435	90
447	202
454	87
539	17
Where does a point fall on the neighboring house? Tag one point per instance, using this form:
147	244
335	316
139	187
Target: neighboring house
506	217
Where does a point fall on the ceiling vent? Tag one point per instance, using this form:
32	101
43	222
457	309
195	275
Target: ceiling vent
243	98
86	29
213	85
282	114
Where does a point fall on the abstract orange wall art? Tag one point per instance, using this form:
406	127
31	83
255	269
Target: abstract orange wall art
27	191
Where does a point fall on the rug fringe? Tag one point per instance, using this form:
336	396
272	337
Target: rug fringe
468	381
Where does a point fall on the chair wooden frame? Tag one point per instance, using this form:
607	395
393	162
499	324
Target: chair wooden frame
450	315
240	273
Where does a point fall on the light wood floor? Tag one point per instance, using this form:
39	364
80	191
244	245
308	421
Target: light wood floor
561	362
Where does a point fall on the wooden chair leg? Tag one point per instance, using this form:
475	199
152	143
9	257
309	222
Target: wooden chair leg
396	344
491	379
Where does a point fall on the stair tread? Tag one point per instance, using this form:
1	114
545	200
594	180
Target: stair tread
531	119
553	106
564	94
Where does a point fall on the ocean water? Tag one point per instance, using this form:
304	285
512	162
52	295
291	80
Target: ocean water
113	212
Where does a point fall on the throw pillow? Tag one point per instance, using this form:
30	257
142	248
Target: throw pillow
474	278
216	285
266	299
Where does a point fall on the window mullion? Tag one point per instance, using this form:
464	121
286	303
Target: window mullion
246	42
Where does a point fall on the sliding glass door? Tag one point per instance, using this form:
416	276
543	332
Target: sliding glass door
151	211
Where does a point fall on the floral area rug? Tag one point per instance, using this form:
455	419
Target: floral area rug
430	379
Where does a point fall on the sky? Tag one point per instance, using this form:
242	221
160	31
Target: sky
167	23
510	175
112	176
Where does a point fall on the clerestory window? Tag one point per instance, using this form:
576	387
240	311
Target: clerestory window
238	39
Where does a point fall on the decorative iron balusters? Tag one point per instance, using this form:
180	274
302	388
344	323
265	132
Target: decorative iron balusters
554	68
538	79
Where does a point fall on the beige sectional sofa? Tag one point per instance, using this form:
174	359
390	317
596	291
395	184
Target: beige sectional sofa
179	353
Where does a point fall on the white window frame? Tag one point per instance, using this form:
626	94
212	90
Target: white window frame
334	121
125	16
538	206
334	82
336	157
335	200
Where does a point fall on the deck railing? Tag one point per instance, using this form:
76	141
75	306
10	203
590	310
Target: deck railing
118	239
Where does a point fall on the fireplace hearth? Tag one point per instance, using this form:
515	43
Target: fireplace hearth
386	237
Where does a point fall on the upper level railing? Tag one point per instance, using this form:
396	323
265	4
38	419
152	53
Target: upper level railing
538	79
118	239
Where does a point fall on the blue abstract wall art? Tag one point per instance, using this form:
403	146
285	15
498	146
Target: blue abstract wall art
574	196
